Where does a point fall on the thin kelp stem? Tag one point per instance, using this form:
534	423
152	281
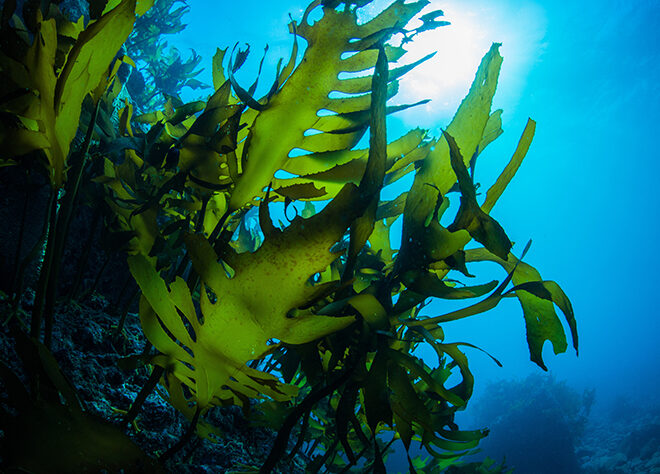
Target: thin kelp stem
97	279
44	275
301	435
78	162
84	257
124	312
331	451
146	389
185	438
199	226
311	449
19	277
351	463
21	233
379	466
125	307
123	289
282	439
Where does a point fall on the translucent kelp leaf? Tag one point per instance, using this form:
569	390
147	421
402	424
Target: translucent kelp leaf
371	310
372	179
541	319
237	326
426	283
116	179
435	176
141	7
217	69
293	109
379	240
511	168
482	227
258	299
551	291
418	370
331	170
87	63
492	130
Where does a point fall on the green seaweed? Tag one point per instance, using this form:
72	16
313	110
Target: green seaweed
360	316
49	78
48	71
161	71
311	325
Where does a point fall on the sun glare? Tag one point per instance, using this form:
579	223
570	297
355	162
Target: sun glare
459	48
445	79
475	25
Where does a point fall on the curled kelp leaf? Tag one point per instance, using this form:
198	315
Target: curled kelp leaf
536	297
421	242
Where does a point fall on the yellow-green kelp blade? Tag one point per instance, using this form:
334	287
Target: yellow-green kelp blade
49	108
424	240
294	109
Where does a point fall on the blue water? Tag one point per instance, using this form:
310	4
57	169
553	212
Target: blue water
587	194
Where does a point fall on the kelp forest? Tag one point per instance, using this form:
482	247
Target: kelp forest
235	251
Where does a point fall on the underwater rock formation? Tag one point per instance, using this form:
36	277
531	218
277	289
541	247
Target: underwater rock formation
537	424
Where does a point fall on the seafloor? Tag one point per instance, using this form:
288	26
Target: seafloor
618	440
89	358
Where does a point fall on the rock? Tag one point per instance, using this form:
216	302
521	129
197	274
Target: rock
650	448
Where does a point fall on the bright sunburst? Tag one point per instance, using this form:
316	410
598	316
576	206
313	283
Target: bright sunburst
475	25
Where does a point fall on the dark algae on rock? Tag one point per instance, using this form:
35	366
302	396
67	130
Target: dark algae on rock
296	339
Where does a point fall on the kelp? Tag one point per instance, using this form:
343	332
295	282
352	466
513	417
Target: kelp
311	325
354	309
293	111
161	70
51	67
49	78
339	320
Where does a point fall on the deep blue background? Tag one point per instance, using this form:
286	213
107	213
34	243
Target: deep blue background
587	193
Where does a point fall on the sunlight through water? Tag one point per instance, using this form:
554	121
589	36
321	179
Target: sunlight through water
475	25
